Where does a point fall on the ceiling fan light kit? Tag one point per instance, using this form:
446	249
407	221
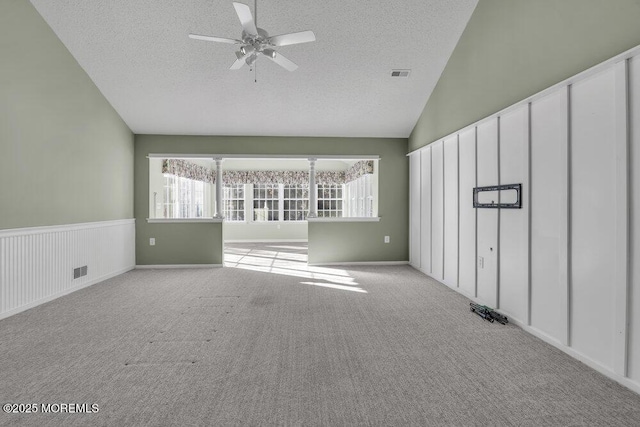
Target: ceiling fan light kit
256	41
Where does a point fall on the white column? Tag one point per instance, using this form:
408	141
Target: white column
313	202
218	211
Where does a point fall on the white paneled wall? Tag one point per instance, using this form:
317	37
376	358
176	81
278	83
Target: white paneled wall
425	211
565	266
437	210
549	215
36	264
467	240
451	211
634	205
514	223
414	201
593	225
487	246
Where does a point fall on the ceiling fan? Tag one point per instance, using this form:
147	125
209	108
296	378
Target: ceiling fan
256	41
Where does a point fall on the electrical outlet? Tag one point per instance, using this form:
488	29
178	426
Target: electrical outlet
152	241
480	262
386	239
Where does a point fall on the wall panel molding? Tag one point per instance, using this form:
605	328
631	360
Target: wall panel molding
568	271
37	263
621	336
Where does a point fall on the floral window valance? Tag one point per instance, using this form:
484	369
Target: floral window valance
280	177
186	169
363	167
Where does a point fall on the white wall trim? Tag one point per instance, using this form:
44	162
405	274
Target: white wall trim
621	318
300	223
345	219
267	241
624	381
183	220
499	213
263	156
173	266
63	293
564	233
28	231
361	263
527	232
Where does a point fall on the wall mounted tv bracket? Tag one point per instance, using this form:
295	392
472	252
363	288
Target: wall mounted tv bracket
487	313
511	192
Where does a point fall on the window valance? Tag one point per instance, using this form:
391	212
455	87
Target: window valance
363	167
186	169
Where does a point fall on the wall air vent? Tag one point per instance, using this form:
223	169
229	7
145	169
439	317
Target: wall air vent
79	272
400	73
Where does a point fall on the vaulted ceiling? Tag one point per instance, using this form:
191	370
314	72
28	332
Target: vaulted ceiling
161	82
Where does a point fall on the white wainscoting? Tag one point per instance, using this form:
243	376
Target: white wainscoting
37	263
566	266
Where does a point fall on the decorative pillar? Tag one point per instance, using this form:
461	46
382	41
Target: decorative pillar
218	212
313	199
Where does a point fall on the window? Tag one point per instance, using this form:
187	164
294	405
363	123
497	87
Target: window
360	196
183	188
296	202
330	200
183	197
234	202
266	202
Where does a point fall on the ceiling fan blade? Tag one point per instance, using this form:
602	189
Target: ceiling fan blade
292	38
246	19
281	60
238	63
214	39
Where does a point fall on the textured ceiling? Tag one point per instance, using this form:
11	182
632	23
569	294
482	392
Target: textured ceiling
162	82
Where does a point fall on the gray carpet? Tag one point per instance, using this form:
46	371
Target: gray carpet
270	341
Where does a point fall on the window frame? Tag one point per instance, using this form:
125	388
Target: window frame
228	188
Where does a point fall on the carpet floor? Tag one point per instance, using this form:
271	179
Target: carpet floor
268	340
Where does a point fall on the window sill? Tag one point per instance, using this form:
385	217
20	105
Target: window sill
264	222
182	220
345	219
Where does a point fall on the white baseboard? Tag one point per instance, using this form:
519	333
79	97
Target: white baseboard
268	241
624	381
361	263
63	293
171	266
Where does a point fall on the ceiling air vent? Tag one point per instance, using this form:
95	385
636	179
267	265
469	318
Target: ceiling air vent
400	73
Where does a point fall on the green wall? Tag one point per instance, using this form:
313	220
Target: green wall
356	242
351	242
65	155
512	49
195	243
